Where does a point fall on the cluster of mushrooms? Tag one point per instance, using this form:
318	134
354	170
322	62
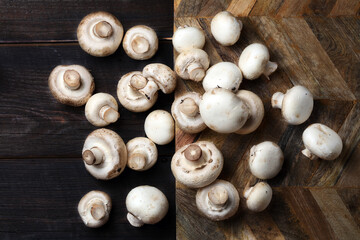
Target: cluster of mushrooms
223	108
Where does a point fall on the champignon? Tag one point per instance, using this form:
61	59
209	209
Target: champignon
104	154
185	111
224	75
94	208
159	127
101	110
100	34
192	64
186	38
296	104
266	160
321	142
71	84
142	153
146	205
258	197
226	28
254	61
218	201
140	42
198	164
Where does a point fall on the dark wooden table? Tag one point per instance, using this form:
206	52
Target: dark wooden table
42	176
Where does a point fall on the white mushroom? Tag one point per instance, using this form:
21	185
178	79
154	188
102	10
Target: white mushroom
266	160
185	111
104	154
296	104
186	38
94	208
146	205
142	153
192	64
254	61
71	84
100	34
101	110
258	197
321	142
198	164
226	28
218	201
140	42
160	127
224	75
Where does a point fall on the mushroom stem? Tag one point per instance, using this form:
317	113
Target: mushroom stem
218	196
109	114
97	210
140	44
103	29
150	89
189	107
193	152
137	160
247	191
94	156
309	154
270	68
134	221
196	71
277	100
138	82
72	79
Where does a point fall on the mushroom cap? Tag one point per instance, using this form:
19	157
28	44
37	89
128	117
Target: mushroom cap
192	56
160	127
186	123
256	108
114	150
266	160
73	97
223	111
143	146
164	76
226	28
322	141
93	106
132	99
95	45
200	173
146	203
258	197
186	38
253	60
217	214
224	75
85	208
147	49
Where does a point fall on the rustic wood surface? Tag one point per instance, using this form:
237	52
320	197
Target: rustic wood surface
42	176
316	44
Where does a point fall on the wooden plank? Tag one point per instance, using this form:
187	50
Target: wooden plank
318	8
345	7
350	175
200	8
350	197
241	8
29	21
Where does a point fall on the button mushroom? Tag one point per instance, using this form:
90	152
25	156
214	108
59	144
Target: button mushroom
218	201
296	104
192	64
104	154
226	28
159	127
140	42
197	165
186	38
321	142
94	208
185	111
100	34
71	84
101	110
254	61
258	197
146	205
224	75
266	160
142	153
